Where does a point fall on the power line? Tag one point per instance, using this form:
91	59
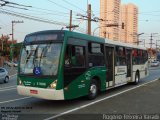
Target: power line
7	2
12	13
48	10
58	4
73	5
15	7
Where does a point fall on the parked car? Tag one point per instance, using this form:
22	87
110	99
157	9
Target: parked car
11	63
15	64
155	64
4	77
5	62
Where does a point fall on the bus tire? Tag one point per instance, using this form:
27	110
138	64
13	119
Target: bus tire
137	77
6	80
93	90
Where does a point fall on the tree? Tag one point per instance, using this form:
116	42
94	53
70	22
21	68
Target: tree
4	46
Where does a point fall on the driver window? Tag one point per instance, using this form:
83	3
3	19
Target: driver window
74	56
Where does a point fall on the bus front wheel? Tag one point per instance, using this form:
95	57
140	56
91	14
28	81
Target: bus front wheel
93	90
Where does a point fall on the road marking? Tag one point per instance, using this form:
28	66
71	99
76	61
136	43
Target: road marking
14	100
97	101
7	89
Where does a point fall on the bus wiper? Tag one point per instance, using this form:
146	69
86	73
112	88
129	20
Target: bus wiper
44	51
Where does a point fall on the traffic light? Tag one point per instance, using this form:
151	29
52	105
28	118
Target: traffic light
122	25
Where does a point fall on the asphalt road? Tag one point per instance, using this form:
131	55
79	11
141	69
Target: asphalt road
128	99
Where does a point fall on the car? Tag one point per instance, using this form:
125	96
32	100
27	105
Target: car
4	77
155	64
15	64
5	63
11	64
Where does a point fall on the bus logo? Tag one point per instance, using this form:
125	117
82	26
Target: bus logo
37	71
88	75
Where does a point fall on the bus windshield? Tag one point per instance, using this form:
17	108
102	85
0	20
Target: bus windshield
40	59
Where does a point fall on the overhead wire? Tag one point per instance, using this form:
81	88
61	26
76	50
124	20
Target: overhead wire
39	19
58	4
13	13
73	5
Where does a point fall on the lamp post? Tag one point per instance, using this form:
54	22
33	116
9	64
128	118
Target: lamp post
107	25
138	37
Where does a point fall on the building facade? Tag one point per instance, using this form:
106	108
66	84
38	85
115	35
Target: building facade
129	16
109	13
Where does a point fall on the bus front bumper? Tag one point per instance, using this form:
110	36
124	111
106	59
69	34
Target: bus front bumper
44	93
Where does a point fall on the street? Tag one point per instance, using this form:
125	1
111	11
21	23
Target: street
121	100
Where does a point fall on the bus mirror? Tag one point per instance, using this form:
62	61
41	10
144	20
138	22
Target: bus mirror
90	64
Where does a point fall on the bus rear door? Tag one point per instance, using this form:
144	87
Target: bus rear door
109	66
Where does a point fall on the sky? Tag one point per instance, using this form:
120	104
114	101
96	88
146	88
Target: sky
57	11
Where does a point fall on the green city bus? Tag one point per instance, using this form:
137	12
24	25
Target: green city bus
62	65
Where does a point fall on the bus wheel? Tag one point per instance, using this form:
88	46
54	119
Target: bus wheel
6	79
93	90
136	78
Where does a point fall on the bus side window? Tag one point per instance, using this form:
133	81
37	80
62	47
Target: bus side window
78	56
96	54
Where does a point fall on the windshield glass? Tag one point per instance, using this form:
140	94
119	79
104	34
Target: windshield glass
40	59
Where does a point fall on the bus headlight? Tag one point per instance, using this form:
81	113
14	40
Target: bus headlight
53	85
19	81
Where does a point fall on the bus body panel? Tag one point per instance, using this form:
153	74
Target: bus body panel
120	74
44	93
36	82
142	69
80	86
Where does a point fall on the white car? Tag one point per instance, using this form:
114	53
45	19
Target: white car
11	64
155	64
14	64
4	77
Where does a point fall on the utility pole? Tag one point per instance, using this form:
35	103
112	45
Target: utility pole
13	22
89	19
151	40
2	42
70	28
157	44
13	28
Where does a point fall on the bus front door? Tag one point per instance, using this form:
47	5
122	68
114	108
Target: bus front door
109	66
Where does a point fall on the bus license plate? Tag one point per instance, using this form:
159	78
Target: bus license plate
33	91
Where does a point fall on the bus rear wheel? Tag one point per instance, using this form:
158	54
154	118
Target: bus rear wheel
136	78
93	90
